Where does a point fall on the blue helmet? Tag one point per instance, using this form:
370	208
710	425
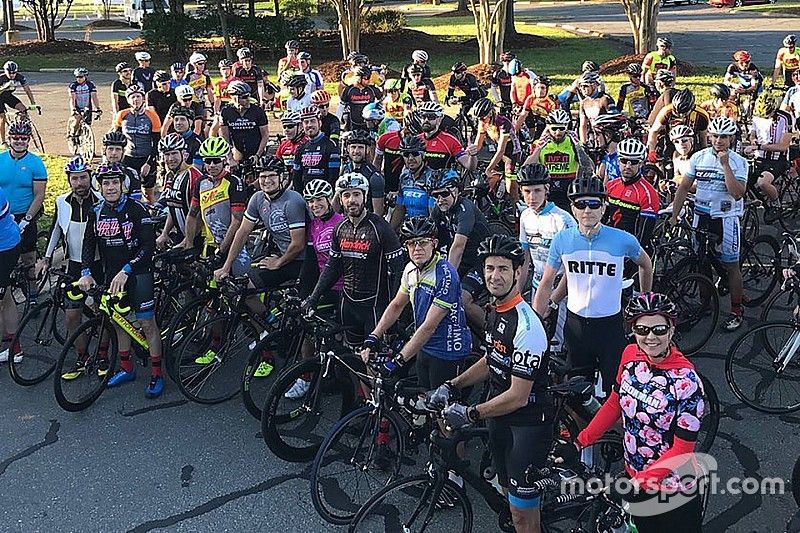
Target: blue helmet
447	177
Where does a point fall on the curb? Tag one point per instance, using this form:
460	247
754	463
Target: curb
773	14
583	32
67	70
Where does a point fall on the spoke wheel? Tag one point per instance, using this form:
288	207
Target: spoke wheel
697	305
39	342
278	349
760	265
710	422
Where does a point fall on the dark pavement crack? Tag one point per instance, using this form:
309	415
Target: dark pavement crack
151	408
186	475
51	437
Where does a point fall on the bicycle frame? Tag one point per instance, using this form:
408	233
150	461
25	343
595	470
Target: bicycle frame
110	309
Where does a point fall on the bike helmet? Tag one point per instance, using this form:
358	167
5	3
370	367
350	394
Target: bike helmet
683	101
80	71
357	137
10	66
214	147
77	164
197	57
356	58
413	123
317	189
664	41
533	174
419	55
181	111
741	55
171	143
648	304
297	81
722	126
632	148
679	132
309	111
431	107
108	171
789	41
590	66
363	73
244	53
443	179
415	69
416	228
320	97
269	163
635	69
135	89
225	63
392	85
142	56
114	138
544	80
184	92
765	106
589	77
177	67
238	88
292	44
610	121
373	111
459	67
120	67
558	117
352	180
290	118
412	143
304	55
505	57
514	66
483	107
664	76
161	76
586	186
501	246
720	90
20	127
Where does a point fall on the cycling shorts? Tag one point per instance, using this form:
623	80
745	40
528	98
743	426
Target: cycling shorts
594	344
136	163
140	294
472	283
266	279
28	243
776	167
358	319
433	371
8	101
8	261
514	449
727	233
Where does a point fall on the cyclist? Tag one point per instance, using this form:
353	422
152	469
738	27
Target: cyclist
572	92
141	128
467	83
658	457
9	256
519	412
682	138
419	58
366	254
501	82
682	110
82	99
665	90
791	100
522	80
634	96
121	231
184	96
329	123
357	143
607	132
420	89
563	156
10	80
431	284
356	97
200	81
443	150
377	122
298	97
501	131
114	143
318	157
787	61
387	151
721	176
245	70
292	59
396	103
120	86
658	59
180	181
177	71
538	225
244	125
593	256
182	119
220	199
720	105
221	96
70	218
413	199
161	98
770	138
743	76
593	103
294	137
143	73
536	107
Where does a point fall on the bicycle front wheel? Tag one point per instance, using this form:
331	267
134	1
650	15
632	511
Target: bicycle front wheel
86	147
410	504
761	269
698	310
710	422
39	343
763	367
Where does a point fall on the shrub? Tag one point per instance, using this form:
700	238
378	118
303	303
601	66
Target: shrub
382	21
168	30
298	8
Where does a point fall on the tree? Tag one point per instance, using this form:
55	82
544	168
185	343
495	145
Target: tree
643	18
511	29
106	9
349	12
490	23
462	6
226	35
49	16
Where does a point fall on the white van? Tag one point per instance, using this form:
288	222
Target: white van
135	10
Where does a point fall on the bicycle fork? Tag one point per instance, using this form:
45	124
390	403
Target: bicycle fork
787	353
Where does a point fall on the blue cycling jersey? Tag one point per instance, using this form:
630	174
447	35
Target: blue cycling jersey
9	231
414	194
17	177
611	163
438	284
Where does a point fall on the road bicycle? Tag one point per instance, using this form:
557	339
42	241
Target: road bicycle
83	143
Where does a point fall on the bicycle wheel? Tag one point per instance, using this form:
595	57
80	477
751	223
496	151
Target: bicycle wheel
40	343
780	305
86	147
278	349
796	481
407	505
750	223
185	320
294	429
224	341
97	336
38	144
754	371
761	269
710	422
360	456
498	228
698	310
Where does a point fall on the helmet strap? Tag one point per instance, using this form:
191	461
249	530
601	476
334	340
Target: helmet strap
511	289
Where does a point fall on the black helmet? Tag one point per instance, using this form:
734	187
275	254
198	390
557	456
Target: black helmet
664	76
635	69
417	227
650	303
271	163
459	67
297	80
533	174
544	80
161	76
502	246
444	178
20	126
664	41
413	123
412	143
586	186
357	137
683	101
363	72
292	44
789	40
482	108
114	138
122	66
415	69
720	90
180	111
590	66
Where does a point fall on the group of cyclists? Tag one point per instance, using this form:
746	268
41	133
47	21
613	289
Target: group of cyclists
367	207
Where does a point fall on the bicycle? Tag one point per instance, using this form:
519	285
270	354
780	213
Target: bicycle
82	143
500	212
36	137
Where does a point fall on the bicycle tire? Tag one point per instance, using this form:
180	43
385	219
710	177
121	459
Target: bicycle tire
92	329
412	493
335	393
767	339
796	481
351	449
194	312
697	321
86	146
751	226
498	228
37	329
780	305
709	425
760	265
219	380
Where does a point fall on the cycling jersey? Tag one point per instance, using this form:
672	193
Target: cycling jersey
13	84
118	89
594	268
356	99
560	158
438	284
320	234
286	63
413	193
712	197
521	87
770	131
426	71
516	346
421	93
314	79
634	100
377	185
330	126
501	86
143	77
161	102
633	207
463	218
199	82
751	75
610	163
788	62
697	119
83	94
469	86
179	188
9	231
388	146
173	83
654	61
141	128
251	76
727	109
396	109
17	177
221	90
280	216
536	233
296	104
442	150
69	223
287	148
317	158
244	127
386	125
502	126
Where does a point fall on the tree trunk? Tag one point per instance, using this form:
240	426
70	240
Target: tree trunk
10	14
251	8
223	22
643	19
462	5
490	25
511	30
277	8
349	12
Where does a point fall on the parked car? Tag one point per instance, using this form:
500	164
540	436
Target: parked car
678	2
738	3
136	10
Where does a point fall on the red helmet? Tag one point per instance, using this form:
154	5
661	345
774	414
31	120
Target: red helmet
741	55
320	97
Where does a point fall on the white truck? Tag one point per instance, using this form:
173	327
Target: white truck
136	10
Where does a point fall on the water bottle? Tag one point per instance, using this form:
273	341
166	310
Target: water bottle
419	420
591	405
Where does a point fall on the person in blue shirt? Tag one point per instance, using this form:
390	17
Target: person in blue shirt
413	199
9	255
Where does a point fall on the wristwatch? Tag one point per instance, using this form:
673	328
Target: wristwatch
27	217
473	414
553	305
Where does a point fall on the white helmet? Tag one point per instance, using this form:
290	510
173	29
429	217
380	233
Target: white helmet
317	189
680	131
419	55
142	56
352	180
722	126
431	107
632	148
196	57
184	91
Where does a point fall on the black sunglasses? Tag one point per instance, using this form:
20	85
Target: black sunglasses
643	331
430	116
558	128
591	204
625	161
441	194
213	160
411	154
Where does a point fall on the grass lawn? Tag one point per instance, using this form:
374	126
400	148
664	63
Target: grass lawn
56	184
776	8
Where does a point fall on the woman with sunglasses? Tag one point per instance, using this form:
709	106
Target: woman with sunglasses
659	397
682	139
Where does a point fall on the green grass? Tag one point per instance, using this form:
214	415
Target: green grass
776	8
56	181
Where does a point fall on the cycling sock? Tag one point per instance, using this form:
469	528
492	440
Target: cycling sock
736	307
155	366
7	339
216	340
383	433
125	362
306	376
103	350
268	356
16	348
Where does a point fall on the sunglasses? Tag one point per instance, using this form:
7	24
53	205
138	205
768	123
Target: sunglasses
200	63
418	243
125	71
213	160
558	128
20	138
430	116
643	331
593	204
631	162
682	140
440	194
79	77
411	154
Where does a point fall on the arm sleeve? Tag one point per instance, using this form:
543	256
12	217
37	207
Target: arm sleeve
334	163
447	291
55	235
377	185
608	414
297	171
238	195
89	241
466	221
621	97
530	345
144	229
393	253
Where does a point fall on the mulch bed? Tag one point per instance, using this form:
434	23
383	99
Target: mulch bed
481	71
620	64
